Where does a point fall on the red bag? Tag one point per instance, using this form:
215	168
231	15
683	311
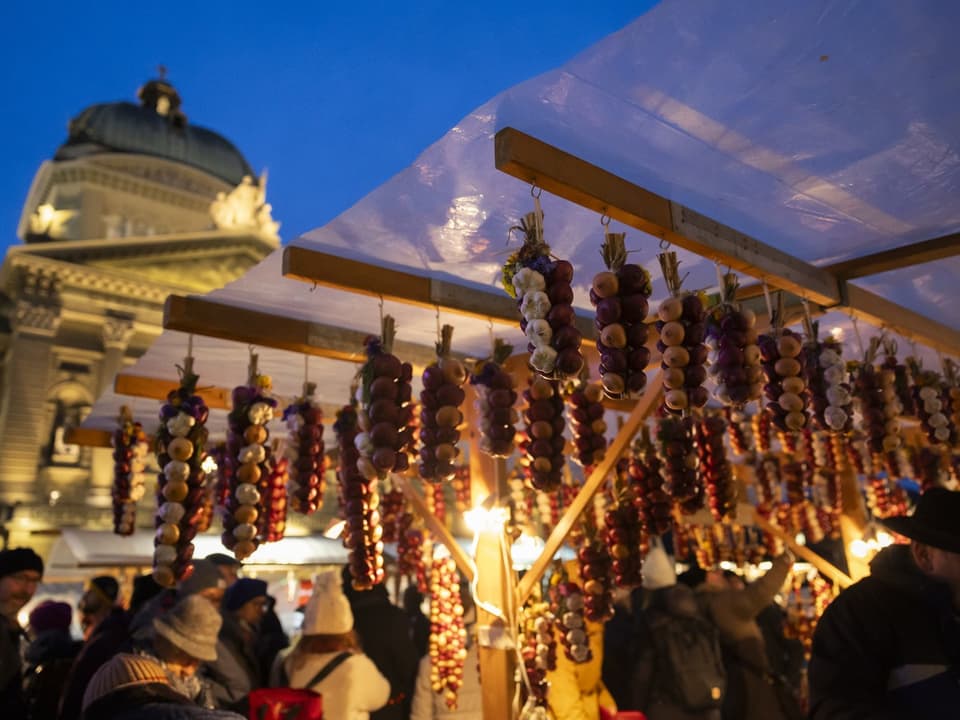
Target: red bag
285	703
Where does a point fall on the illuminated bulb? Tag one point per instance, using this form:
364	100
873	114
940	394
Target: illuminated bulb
884	539
209	465
837	333
859	549
480	519
800	539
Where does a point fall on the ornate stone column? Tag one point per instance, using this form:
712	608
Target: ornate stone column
36	320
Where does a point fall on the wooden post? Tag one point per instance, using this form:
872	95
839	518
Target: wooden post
853	521
839	577
496	586
436	527
651	398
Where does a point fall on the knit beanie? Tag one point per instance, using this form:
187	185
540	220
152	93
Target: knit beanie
328	610
243	591
192	625
106	586
220	559
18	560
123	671
51	615
205	576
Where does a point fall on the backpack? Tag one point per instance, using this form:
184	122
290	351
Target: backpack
689	661
286	703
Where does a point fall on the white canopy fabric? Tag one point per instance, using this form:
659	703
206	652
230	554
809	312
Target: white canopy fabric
827	129
77	548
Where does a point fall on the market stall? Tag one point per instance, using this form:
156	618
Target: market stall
774	349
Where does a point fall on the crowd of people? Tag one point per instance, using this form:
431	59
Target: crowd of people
701	646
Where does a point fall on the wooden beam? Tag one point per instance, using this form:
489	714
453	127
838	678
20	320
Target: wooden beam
880	312
496	585
853	521
220	320
918	253
839	577
433	524
646	405
216	398
574	179
88	437
407	287
158	388
569	177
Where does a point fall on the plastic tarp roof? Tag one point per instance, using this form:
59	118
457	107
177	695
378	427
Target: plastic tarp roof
77	548
828	129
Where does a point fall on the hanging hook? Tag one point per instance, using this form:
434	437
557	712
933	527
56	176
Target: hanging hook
380	305
438	323
605	220
313	288
664	244
535	191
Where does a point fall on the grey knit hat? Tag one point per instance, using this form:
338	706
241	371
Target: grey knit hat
192	625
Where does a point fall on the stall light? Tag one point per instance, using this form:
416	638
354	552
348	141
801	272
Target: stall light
54	497
800	539
480	519
209	465
837	333
859	548
884	538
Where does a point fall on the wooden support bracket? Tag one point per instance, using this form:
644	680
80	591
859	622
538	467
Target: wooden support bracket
200	316
439	530
839	577
406	287
646	405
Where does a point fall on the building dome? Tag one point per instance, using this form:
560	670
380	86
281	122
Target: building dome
155	127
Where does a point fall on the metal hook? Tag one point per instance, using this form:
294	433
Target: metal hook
664	244
438	323
605	220
535	191
313	288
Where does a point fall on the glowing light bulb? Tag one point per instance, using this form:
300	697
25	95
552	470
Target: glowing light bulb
859	549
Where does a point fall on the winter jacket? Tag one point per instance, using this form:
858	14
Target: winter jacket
236	671
384	636
49	659
108	638
576	690
12	703
751	694
429	705
884	648
151	702
649	682
353	690
623	641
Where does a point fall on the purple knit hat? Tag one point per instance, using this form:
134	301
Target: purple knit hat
50	615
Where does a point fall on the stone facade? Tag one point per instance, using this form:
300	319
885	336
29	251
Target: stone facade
106	237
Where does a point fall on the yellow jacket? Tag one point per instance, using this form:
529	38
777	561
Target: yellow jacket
576	691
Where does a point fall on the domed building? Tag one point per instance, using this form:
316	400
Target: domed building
136	204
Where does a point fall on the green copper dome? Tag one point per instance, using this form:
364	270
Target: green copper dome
156	127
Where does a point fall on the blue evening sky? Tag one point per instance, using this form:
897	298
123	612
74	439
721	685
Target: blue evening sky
332	98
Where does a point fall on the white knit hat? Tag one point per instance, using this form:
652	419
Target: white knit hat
328	610
659	570
123	671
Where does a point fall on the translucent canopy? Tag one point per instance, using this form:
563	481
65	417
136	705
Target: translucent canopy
826	129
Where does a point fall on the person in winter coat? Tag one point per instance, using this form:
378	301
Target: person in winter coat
577	691
49	657
135	687
429	705
97	601
205	581
661	672
109	637
419	623
753	692
236	670
183	639
888	647
384	636
21	571
354	688
270	640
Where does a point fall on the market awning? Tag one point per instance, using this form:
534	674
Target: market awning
79	549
